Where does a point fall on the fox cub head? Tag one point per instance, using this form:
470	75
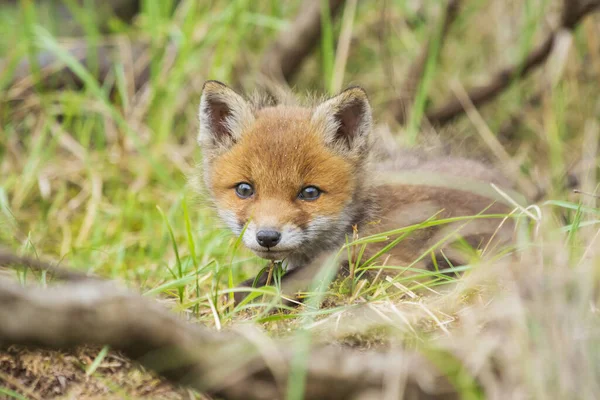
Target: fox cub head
294	177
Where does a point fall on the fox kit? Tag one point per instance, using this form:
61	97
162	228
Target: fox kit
296	181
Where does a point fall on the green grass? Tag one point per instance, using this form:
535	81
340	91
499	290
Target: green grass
98	175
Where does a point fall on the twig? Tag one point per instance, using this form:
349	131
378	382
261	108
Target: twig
225	364
573	12
270	275
586	193
283	58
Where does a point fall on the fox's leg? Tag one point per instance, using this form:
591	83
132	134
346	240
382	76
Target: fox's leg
294	280
261	280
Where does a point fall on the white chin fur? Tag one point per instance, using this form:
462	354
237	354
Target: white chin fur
271	255
291	239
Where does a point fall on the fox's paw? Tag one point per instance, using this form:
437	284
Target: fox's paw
261	280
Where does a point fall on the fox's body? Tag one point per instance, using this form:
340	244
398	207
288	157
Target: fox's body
297	180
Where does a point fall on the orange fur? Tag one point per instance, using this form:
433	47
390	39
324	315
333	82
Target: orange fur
292	157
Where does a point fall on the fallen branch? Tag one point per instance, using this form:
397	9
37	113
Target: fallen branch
283	58
280	62
226	364
572	13
55	74
8	258
104	10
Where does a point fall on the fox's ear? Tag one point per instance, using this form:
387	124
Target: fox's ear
223	116
345	119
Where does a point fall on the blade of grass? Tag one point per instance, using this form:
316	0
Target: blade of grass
327	45
418	108
97	361
12	393
180	289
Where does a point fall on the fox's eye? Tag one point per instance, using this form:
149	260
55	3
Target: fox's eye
244	190
309	193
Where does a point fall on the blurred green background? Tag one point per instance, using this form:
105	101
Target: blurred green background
98	117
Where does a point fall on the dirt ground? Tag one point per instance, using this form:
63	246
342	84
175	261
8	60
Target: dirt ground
62	375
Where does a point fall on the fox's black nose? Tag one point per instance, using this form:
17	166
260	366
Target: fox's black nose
268	238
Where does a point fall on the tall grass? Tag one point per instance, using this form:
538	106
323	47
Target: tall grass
97	176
